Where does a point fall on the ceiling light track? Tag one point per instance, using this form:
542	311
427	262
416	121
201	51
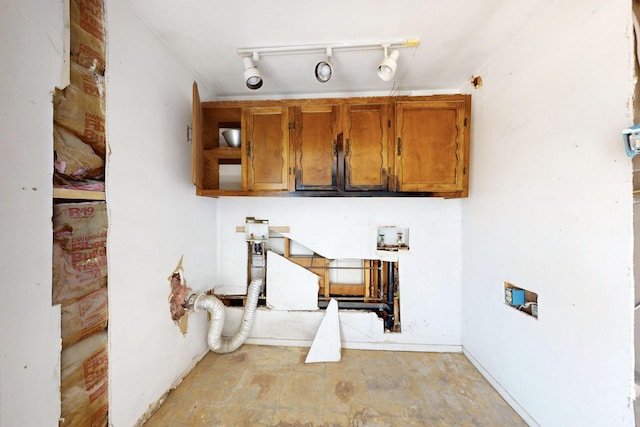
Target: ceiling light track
324	69
335	47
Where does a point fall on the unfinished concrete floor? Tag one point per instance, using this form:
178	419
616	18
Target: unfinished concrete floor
272	386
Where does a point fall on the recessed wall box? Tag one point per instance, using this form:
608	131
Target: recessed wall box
256	230
631	140
521	299
392	239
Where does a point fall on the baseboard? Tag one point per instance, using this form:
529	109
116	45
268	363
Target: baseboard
423	348
153	407
501	390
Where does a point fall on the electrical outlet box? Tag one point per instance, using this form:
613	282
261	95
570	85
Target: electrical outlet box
256	230
521	299
391	238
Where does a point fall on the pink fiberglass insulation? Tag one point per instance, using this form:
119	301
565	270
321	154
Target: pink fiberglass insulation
179	293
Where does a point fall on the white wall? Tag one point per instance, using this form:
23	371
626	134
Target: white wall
551	211
31	65
155	217
347	228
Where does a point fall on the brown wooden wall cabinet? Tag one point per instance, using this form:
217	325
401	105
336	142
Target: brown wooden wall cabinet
376	146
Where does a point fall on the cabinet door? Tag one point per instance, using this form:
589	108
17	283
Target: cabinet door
265	133
197	161
316	151
366	139
432	146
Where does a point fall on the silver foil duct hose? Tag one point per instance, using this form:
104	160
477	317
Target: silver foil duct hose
216	342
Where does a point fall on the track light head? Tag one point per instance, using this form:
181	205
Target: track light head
388	66
324	69
252	76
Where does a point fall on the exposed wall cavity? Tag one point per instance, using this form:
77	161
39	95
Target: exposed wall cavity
476	81
298	278
636	97
179	294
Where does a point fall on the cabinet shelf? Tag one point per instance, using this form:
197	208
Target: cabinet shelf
224	153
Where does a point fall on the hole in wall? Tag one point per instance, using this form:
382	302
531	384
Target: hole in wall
179	294
521	299
357	284
476	81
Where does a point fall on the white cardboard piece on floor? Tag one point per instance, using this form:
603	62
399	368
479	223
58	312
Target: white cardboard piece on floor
326	345
290	286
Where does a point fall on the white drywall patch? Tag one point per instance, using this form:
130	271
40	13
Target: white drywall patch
289	286
326	344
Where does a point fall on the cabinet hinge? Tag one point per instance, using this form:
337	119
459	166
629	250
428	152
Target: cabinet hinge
389	124
465	121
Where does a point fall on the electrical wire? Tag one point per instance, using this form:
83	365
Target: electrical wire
395	89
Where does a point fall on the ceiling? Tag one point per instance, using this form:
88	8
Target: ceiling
456	39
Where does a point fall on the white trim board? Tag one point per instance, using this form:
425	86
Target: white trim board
501	390
421	348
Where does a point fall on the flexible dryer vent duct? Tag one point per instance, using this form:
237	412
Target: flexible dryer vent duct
217	343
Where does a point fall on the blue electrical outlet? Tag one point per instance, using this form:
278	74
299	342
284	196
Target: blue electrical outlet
514	296
631	140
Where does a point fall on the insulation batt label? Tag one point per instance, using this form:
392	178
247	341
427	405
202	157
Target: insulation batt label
94	128
89	58
91	264
95	368
100	416
93	312
93	241
89	253
79	250
82	212
99	392
92	17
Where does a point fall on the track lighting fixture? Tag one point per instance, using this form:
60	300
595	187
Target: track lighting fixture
389	64
252	76
324	69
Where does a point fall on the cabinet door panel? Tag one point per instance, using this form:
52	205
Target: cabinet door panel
430	146
266	143
316	149
196	138
365	147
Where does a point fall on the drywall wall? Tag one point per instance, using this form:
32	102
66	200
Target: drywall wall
551	211
347	228
31	66
155	217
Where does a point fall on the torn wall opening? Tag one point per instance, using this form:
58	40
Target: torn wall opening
285	266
